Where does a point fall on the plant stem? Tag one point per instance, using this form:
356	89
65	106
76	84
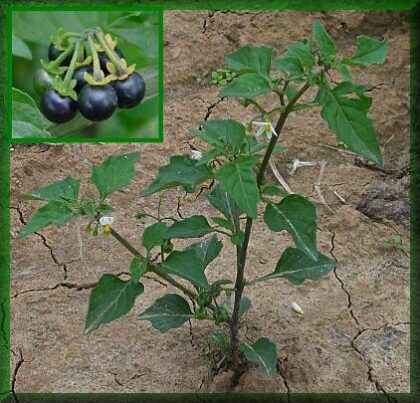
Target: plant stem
71	35
151	267
70	71
113	57
243	250
57	62
96	65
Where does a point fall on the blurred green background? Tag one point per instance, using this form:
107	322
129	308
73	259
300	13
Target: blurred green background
138	39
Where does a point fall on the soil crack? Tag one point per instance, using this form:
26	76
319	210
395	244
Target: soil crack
370	370
281	371
211	107
207	21
63	265
342	286
364	360
360	355
65	284
18	366
123	384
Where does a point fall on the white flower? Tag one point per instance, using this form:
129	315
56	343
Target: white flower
265	128
106	220
196	155
297	308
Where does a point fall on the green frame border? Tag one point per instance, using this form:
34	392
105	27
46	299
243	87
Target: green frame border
18	8
302	5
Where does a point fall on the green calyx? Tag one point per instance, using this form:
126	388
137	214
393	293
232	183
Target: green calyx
120	74
97	80
54	67
62	40
117	66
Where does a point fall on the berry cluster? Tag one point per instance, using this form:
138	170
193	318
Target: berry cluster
86	72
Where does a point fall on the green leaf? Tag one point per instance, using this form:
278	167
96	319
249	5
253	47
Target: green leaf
209	156
167	312
248	85
327	47
344	72
297	216
207	249
190	263
297	267
187	265
238	238
27	120
37	27
109	300
291	91
251	60
181	171
369	51
66	189
244	306
347	117
239	181
263	352
192	227
141	30
53	213
290	65
138	267
222	201
223	222
115	173
296	60
272	190
228	131
20	48
105	208
154	235
203	135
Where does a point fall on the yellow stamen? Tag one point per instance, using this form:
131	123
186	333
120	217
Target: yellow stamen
267	127
107	229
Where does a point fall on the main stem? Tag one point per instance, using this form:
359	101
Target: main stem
243	249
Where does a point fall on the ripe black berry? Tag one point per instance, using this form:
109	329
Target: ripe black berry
56	108
130	91
97	103
79	76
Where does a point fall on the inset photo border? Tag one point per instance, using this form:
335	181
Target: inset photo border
79	74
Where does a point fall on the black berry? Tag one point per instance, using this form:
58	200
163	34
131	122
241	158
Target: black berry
56	108
97	103
130	91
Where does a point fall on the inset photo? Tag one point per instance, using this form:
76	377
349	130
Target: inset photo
85	75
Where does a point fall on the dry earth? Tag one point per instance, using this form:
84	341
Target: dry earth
354	335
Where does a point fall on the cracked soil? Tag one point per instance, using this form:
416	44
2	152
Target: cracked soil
354	334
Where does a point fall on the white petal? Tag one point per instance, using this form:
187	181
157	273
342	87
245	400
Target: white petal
106	220
258	124
273	130
297	308
196	155
260	131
